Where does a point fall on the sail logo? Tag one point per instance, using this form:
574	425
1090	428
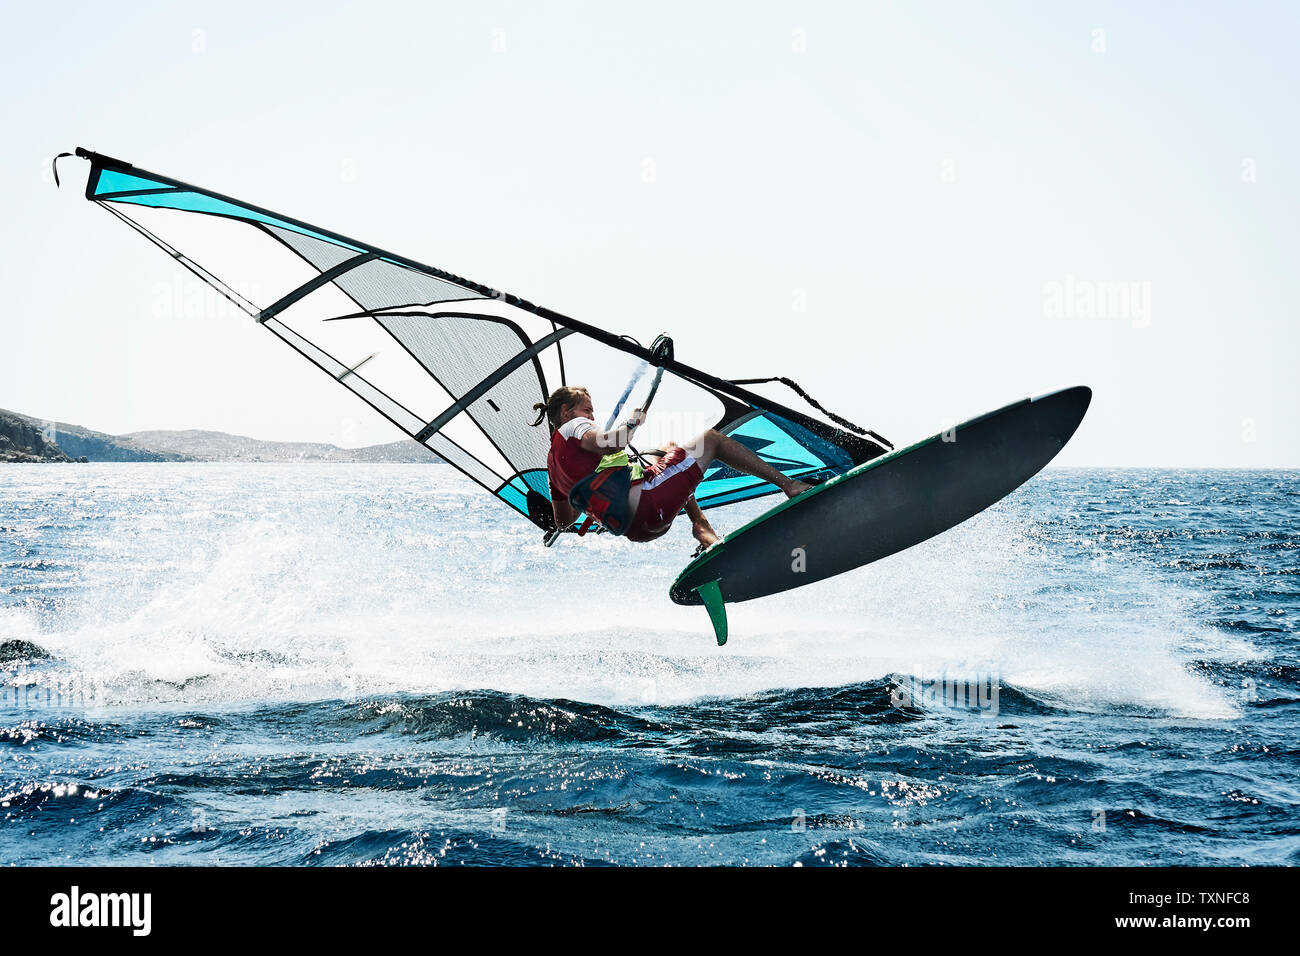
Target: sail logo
75	909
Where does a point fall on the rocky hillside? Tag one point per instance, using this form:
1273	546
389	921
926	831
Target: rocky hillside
73	442
218	446
23	440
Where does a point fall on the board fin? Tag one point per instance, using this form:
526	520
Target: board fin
711	595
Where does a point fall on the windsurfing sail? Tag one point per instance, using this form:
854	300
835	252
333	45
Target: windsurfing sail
454	364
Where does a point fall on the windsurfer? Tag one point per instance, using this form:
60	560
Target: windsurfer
590	471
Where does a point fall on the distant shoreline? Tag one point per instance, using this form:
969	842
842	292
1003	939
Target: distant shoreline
25	439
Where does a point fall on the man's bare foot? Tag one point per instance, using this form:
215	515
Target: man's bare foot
705	535
797	488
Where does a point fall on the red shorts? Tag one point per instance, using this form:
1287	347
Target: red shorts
664	490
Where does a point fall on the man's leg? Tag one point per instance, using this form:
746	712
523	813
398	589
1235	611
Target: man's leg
700	527
713	444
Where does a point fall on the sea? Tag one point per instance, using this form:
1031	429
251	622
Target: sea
381	665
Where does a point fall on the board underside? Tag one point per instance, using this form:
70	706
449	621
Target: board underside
886	505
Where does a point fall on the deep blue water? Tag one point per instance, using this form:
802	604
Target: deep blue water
341	664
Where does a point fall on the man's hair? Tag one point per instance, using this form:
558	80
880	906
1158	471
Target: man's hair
551	408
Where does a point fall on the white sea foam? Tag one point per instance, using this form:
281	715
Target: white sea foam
219	582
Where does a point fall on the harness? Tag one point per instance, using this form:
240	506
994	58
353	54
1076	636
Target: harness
603	496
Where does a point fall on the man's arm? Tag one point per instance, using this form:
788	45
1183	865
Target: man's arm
616	439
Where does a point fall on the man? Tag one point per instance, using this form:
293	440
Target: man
589	471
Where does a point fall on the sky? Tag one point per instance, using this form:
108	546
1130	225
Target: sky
918	211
